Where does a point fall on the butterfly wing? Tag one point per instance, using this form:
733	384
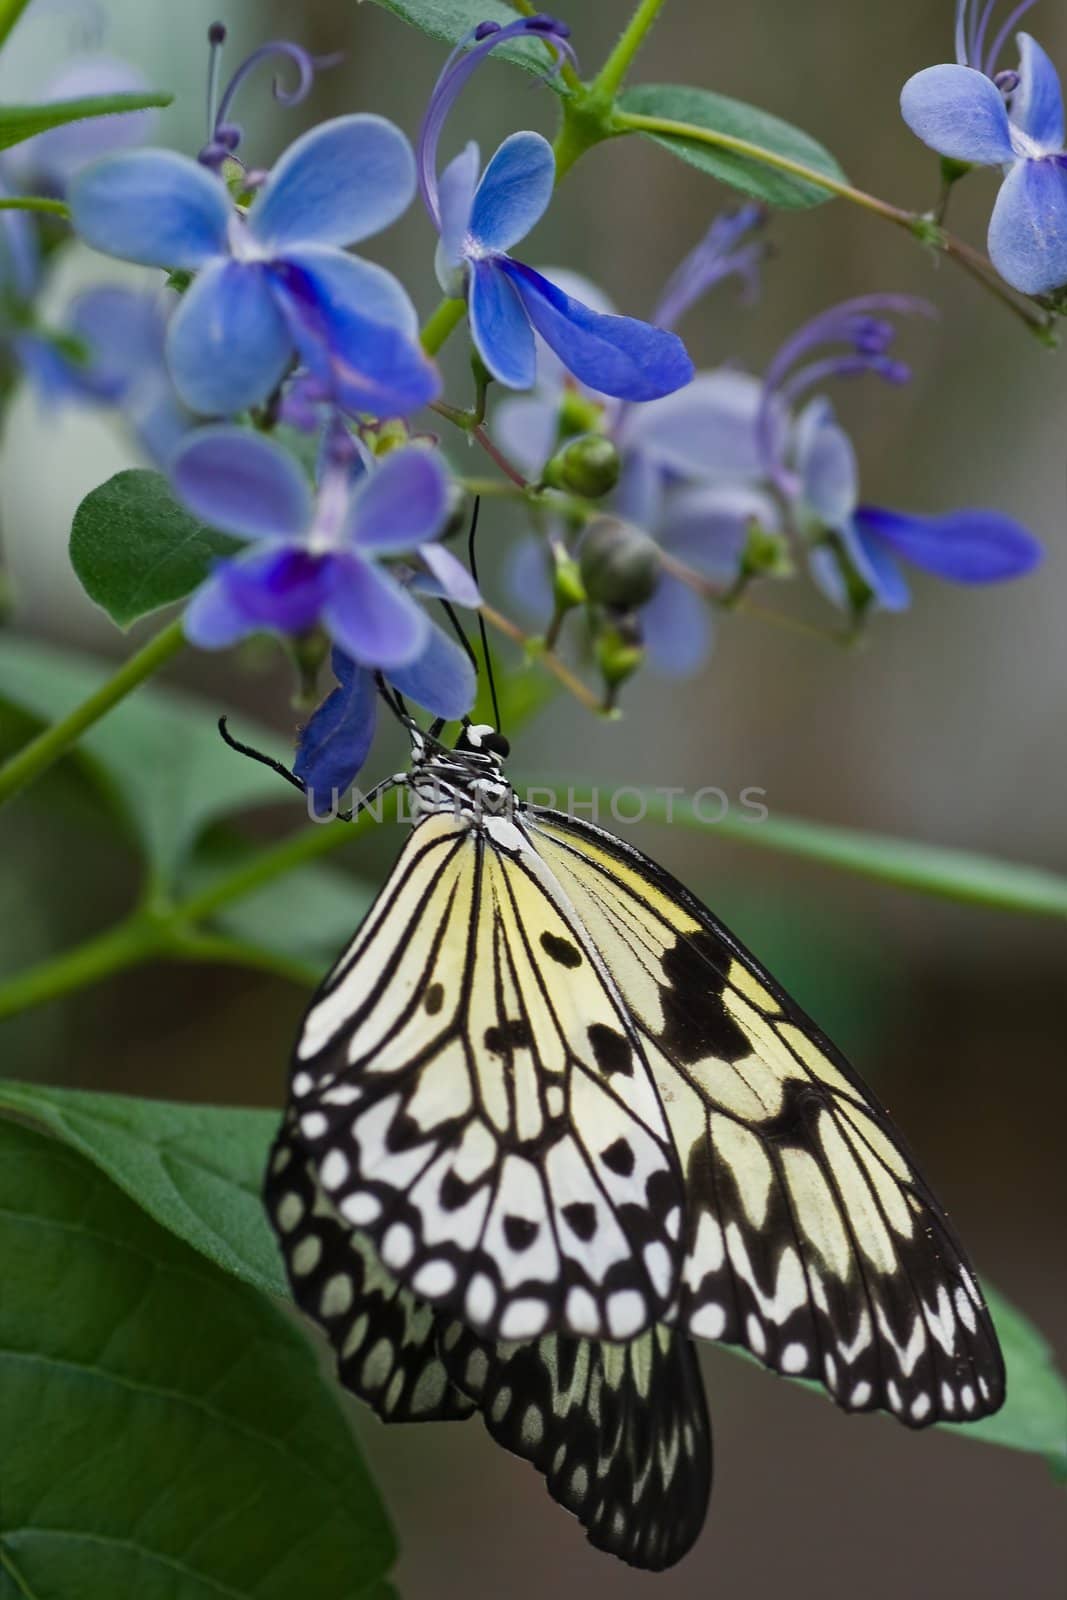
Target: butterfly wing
473	1095
620	1431
811	1239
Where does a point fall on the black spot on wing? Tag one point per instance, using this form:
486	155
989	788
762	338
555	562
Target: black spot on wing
612	1049
619	1157
696	1023
520	1232
435	998
580	1217
504	1038
561	950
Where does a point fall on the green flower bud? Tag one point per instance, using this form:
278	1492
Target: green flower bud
567	582
588	465
620	565
619	652
766	554
578	414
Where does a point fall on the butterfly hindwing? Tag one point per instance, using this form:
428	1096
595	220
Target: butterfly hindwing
620	1431
474	1096
811	1238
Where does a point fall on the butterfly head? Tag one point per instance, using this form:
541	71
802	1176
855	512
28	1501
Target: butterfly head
480	738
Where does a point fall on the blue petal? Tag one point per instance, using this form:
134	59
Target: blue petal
528	578
708	528
639	497
242	483
371	617
970	546
402	503
514	192
706	430
448	578
500	327
344	284
364	364
441	678
340	183
455	197
336	740
152	206
874	565
19	256
228	344
617	355
1037	104
676	625
276	587
1028	228
959	112
526	427
826	462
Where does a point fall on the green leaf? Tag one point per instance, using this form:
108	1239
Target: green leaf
23	122
1034	1415
737	120
166	1431
452	20
906	863
157	756
135	549
198	1170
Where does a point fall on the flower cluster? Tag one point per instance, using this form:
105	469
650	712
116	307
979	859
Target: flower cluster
280	382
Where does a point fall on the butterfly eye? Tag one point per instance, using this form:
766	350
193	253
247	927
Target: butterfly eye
496	744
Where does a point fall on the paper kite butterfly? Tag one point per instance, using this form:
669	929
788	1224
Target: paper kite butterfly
549	1122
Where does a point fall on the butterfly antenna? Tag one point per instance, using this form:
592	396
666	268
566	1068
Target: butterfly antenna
394	702
482	630
258	755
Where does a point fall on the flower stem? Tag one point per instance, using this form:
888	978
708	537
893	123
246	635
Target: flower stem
609	80
441	324
559	669
127	943
37	756
35	202
971	260
10	12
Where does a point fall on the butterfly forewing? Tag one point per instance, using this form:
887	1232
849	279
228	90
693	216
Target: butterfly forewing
473	1093
810	1237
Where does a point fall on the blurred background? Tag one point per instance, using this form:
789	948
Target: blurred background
948	727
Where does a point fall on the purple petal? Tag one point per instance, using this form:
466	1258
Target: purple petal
551	373
276	587
19	256
441	678
228	345
706	430
1028	228
616	355
1037	103
826	462
370	616
639	497
342	182
514	192
347	285
449	578
676	625
53	157
959	112
336	741
402	503
242	483
970	546
123	331
500	327
708	528
526	428
455	197
152	206
528	578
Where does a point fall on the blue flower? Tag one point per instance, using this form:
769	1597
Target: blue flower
813	465
272	284
336	740
316	559
1013	120
480	220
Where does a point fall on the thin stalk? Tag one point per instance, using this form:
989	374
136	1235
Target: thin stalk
609	80
41	753
559	669
125	945
35	202
526	8
441	324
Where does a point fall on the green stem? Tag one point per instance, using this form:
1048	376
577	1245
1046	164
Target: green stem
37	756
972	261
10	12
441	324
125	945
609	80
34	202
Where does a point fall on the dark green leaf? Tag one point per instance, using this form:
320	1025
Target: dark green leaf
166	1432
453	20
739	121
198	1170
135	549
157	755
23	122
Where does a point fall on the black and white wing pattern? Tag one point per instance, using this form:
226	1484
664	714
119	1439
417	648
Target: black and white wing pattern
472	1093
620	1431
810	1237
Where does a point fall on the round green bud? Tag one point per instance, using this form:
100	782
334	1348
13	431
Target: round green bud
766	553
588	465
567	583
619	650
578	414
620	565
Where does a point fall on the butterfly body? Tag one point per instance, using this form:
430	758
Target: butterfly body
565	1113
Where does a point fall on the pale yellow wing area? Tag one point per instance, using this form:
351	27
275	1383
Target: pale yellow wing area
810	1237
473	1095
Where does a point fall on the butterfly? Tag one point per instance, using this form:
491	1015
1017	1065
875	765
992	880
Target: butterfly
549	1122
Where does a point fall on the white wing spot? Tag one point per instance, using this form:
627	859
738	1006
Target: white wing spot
967	1395
337	1296
965	1310
524	1319
302	1082
708	1322
360	1209
860	1394
626	1313
755	1334
658	1265
434	1279
921	1406
398	1246
313	1124
582	1313
481	1299
334	1169
948	1398
305	1257
794	1358
290	1210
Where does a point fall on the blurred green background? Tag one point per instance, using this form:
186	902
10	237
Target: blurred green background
949	727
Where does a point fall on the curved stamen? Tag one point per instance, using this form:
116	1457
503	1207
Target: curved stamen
459	67
963	32
216	38
225	136
978	43
1004	35
712	260
858	366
